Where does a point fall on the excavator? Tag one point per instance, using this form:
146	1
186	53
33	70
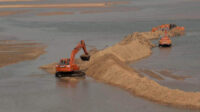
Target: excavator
67	67
169	26
165	41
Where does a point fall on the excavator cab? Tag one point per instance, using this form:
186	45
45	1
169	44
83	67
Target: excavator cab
64	62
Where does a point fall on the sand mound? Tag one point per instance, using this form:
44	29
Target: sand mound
109	65
132	47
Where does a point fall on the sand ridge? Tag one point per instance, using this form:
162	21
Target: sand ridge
110	66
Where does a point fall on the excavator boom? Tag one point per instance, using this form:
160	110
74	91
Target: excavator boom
76	50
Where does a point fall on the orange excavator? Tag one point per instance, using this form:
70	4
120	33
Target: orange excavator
67	67
165	41
169	26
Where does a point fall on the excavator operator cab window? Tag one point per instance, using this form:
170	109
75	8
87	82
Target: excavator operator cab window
64	62
68	61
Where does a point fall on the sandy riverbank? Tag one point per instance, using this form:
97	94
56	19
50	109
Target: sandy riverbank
16	51
65	5
110	66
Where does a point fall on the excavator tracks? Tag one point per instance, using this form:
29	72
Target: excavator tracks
70	74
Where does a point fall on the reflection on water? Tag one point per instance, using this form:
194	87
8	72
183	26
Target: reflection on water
165	51
69	82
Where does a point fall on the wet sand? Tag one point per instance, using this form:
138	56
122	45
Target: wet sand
16	51
50	68
109	10
66	5
173	76
151	74
161	75
70	5
55	13
17	0
8	13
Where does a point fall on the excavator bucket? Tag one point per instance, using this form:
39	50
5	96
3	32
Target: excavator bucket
85	57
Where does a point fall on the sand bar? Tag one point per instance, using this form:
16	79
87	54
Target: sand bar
70	5
16	51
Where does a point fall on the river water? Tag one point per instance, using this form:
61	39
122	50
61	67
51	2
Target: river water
24	87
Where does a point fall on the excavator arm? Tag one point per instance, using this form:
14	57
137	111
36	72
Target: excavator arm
77	49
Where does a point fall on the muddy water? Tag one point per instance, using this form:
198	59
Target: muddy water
23	87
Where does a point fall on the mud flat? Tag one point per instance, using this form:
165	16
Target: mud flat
110	66
17	0
55	13
151	74
70	5
167	73
64	5
109	10
9	13
16	51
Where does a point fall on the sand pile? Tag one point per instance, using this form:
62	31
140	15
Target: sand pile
132	47
110	66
